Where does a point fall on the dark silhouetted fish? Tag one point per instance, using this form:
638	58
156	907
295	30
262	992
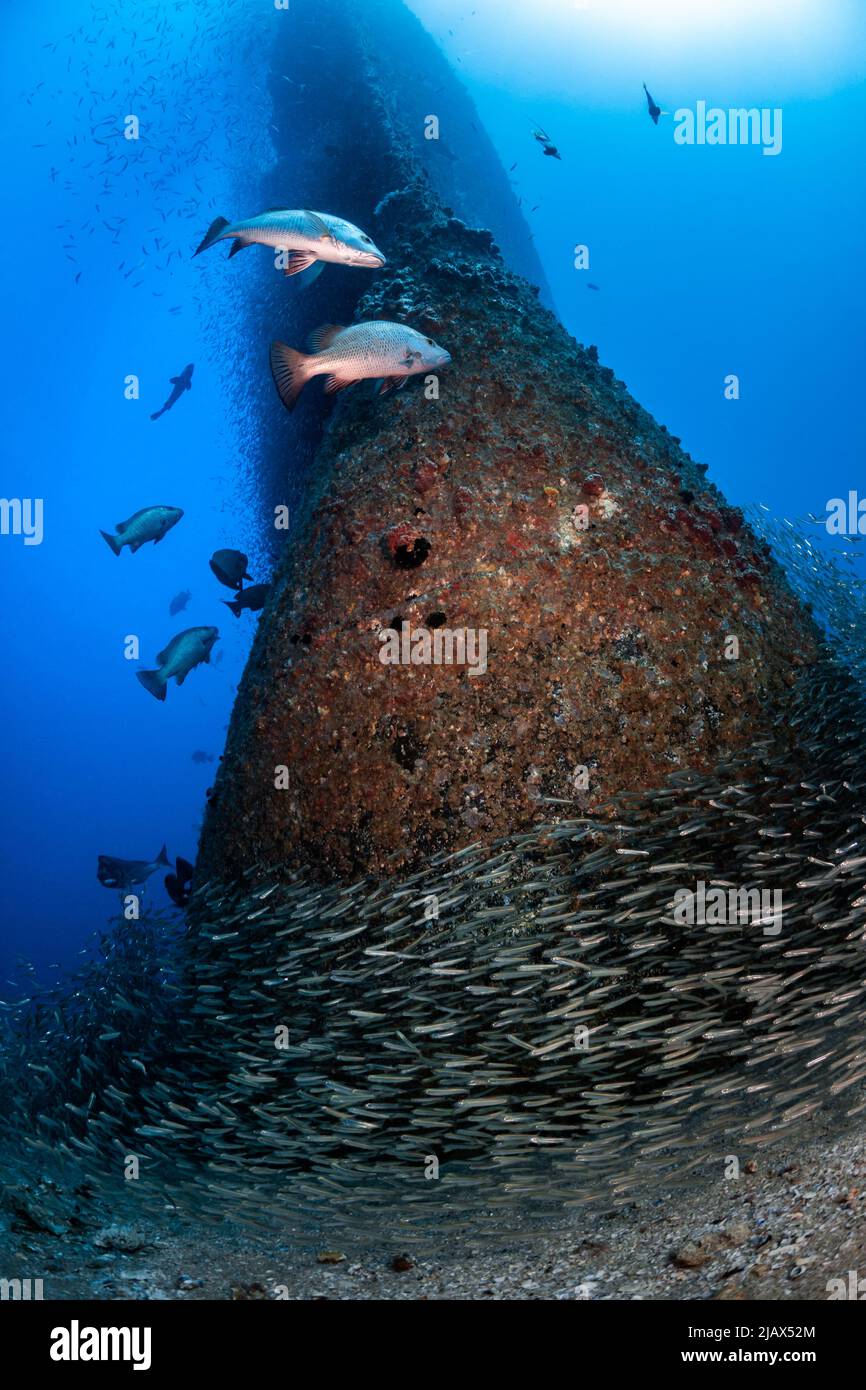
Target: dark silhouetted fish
179	602
177	885
546	143
230	567
180	384
125	873
200	756
254	598
654	111
149	524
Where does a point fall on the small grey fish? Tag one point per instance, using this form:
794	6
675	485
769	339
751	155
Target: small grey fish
308	238
179	602
185	651
253	598
150	524
230	567
125	873
388	352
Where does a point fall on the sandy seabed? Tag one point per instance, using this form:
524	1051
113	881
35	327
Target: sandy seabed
782	1232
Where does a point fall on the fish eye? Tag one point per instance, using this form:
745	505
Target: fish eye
430	341
367	239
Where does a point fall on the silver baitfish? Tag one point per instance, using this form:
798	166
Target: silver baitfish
527	1014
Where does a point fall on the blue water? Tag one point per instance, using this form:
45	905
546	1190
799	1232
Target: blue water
709	261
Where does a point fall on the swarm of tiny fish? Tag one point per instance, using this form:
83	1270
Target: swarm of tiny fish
72	1050
523	1023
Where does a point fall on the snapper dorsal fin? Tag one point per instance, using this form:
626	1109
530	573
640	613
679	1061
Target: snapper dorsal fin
321	226
322	338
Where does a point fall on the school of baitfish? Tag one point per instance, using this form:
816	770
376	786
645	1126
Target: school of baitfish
528	1014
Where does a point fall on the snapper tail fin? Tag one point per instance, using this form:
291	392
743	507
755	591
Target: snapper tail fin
290	370
153	681
214	232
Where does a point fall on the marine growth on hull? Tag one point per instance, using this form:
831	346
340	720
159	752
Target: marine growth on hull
532	871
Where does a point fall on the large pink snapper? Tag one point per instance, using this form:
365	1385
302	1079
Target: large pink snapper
388	352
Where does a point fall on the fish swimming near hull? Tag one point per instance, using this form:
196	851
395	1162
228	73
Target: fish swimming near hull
126	873
253	599
180	384
149	524
184	652
179	884
387	352
308	239
230	567
546	143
